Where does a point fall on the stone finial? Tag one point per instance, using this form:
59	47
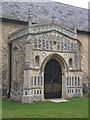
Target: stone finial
30	15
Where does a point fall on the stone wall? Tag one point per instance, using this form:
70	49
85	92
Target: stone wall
17	64
7	28
0	57
83	38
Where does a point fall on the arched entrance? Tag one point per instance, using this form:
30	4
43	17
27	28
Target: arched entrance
52	79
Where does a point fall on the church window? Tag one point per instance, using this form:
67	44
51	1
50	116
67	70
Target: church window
35	81
72	91
68	46
37	92
76	90
65	46
34	92
75	80
62	46
78	80
43	44
39	43
58	45
37	60
47	44
38	81
51	44
41	80
40	91
72	81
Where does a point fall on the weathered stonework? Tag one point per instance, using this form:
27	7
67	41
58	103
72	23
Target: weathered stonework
7	28
29	61
0	58
32	58
83	38
17	64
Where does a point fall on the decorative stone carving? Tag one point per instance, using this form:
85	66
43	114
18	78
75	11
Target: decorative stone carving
43	43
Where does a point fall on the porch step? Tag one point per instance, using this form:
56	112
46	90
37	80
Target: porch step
57	100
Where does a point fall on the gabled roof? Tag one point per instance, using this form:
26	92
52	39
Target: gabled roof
43	28
66	15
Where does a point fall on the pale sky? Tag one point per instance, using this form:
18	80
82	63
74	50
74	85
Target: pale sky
78	3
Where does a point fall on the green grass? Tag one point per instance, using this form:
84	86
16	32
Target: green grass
75	108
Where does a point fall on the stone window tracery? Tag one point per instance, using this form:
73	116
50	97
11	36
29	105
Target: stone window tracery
62	43
72	80
34	92
62	46
41	80
67	81
43	44
51	44
47	44
68	46
37	92
75	80
38	81
58	45
35	81
76	90
78	80
72	91
39	43
25	92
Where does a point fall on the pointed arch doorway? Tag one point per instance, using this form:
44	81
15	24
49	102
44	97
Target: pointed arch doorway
52	79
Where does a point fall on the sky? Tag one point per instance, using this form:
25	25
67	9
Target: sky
78	3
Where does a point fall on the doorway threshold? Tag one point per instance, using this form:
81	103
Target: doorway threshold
57	100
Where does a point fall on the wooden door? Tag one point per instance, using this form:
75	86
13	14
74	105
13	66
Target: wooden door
52	80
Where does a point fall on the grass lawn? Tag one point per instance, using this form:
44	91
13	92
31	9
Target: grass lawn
75	108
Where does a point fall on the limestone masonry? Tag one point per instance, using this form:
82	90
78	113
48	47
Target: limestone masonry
44	51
